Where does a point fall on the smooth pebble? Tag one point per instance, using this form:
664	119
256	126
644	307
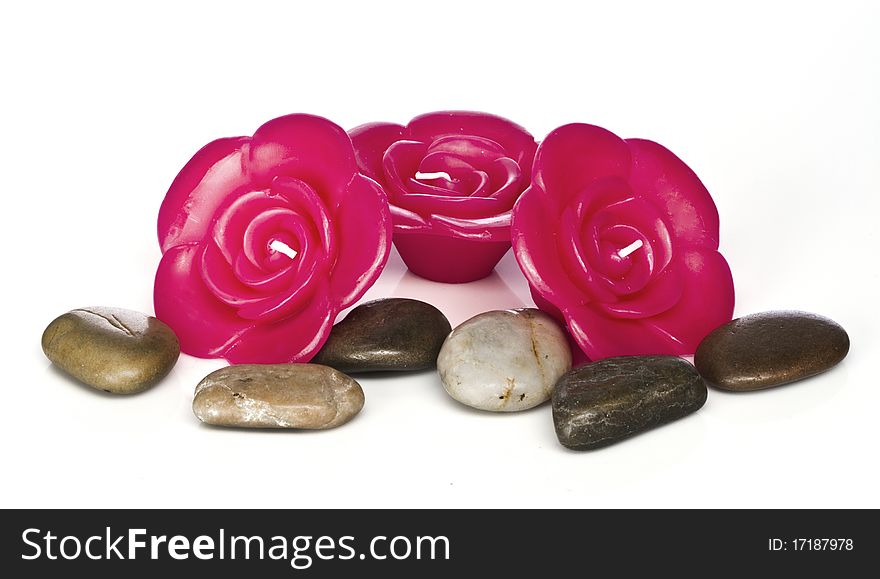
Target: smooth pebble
770	349
307	396
111	349
606	401
504	361
395	334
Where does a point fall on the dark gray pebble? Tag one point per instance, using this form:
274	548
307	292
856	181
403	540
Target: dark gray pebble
603	402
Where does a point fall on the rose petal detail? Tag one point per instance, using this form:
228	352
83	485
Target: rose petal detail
306	147
204	325
461	207
706	302
204	183
275	224
507	180
429	127
405	219
661	295
360	258
658	175
443	161
534	238
370	143
495	228
706	289
399	163
572	254
473	150
600	336
221	281
286	341
233	216
291	301
304	200
574	156
258	279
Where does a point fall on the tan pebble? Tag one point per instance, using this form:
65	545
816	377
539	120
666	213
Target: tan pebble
308	396
111	349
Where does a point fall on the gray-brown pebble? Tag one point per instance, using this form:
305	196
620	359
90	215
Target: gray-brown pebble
111	349
769	349
308	396
601	403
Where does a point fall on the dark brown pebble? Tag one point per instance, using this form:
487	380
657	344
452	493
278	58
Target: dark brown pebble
606	401
395	334
769	349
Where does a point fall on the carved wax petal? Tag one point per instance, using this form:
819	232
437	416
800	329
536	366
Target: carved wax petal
407	220
201	321
606	337
306	202
364	231
507	179
704	289
473	150
476	228
232	218
399	162
453	206
308	148
661	295
659	175
600	154
221	280
707	298
214	173
370	143
266	343
534	236
514	138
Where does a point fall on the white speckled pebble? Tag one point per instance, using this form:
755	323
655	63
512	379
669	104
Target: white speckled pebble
504	361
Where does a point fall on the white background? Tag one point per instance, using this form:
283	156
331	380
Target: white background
775	105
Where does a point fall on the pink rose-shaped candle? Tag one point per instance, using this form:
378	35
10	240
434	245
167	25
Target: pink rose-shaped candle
265	239
620	238
452	179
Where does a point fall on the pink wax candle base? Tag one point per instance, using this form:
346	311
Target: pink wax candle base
449	259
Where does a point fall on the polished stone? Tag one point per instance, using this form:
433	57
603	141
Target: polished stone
504	361
606	401
395	334
769	349
111	349
307	396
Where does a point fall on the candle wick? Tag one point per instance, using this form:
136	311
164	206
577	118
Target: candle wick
282	247
630	248
434	175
